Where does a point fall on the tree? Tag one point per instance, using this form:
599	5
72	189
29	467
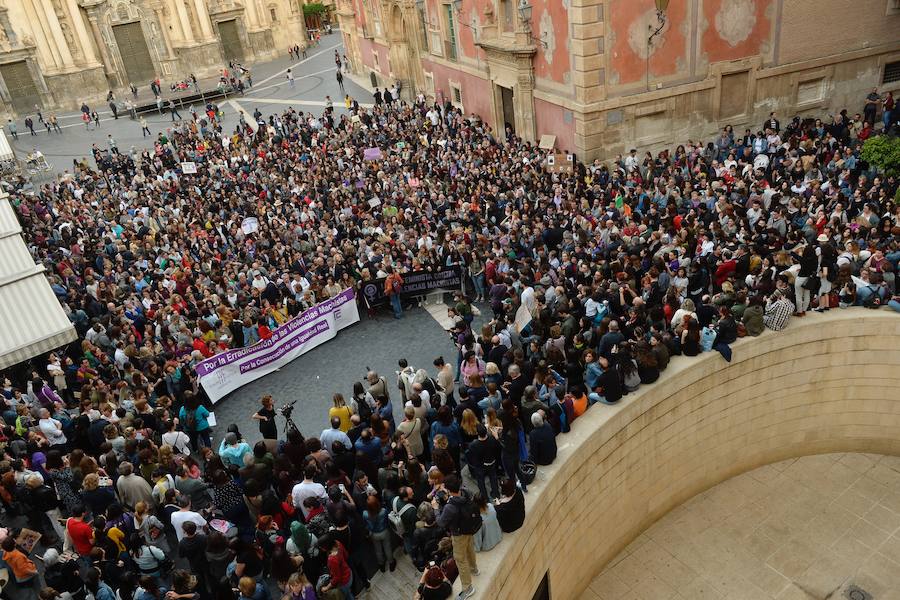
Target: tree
883	152
314	9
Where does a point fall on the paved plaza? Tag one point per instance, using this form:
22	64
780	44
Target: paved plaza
812	528
313	378
314	78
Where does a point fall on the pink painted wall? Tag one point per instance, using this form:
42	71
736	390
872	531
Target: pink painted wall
551	63
368	48
549	119
476	92
735	29
629	20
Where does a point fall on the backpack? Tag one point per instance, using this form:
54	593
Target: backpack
873	301
469	518
395	517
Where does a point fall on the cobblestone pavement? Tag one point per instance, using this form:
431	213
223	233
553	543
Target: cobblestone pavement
313	378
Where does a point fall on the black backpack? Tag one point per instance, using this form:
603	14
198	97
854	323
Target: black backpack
469	518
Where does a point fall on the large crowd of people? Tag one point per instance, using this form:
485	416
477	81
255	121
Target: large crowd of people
587	284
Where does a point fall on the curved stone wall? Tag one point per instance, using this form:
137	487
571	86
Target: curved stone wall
829	383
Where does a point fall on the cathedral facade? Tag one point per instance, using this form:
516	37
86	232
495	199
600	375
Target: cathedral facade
58	53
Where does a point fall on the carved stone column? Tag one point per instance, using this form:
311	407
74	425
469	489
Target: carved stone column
81	31
93	8
203	19
56	36
182	16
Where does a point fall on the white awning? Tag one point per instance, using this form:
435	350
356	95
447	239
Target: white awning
6	151
32	321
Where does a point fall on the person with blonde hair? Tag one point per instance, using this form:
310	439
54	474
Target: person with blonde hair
299	588
468	426
342	411
96	497
150	527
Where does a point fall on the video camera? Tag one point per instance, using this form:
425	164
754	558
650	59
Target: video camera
286	409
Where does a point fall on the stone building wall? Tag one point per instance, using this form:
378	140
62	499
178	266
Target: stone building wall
58	53
587	63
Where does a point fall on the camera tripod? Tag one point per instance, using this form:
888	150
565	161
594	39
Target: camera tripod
285	411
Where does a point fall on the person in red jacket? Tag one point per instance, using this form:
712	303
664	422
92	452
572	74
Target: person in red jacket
393	285
338	567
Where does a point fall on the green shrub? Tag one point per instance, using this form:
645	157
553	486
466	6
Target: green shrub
883	153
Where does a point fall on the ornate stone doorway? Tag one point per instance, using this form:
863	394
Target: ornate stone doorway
134	52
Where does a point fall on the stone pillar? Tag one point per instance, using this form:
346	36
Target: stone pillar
84	37
203	18
185	22
523	97
173	19
251	16
43	39
93	11
56	33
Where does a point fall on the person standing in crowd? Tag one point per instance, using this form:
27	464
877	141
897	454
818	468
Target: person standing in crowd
461	517
266	418
639	260
393	286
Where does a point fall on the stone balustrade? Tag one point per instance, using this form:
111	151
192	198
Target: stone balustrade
828	383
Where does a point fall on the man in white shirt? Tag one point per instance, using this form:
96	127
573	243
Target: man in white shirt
52	429
307	489
185	514
259	282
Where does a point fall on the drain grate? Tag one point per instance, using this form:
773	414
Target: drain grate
856	593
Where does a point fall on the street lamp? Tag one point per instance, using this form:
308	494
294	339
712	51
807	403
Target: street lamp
524	12
661	6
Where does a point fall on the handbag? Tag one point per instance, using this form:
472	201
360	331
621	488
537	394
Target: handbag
812	284
527	471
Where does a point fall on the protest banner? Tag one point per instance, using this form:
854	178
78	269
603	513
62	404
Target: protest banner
372	153
229	370
188	168
415	283
560	163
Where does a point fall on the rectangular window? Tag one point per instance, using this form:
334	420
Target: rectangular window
810	91
437	45
506	14
891	72
450	42
273	14
456	94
